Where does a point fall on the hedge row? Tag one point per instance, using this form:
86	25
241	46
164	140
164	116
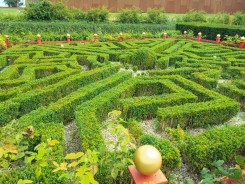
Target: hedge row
78	27
211	30
31	100
214	144
235	90
185	71
208	79
199	114
146	105
38	83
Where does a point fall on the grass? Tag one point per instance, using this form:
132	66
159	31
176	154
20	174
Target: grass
11	11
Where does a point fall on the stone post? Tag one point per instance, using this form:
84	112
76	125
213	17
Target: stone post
68	38
242	43
218	39
96	38
39	41
199	36
7	41
185	34
120	37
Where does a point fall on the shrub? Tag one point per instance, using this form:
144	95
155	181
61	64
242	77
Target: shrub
129	15
222	18
239	18
97	14
77	14
195	16
155	15
45	10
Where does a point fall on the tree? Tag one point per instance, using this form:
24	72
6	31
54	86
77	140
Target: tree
13	3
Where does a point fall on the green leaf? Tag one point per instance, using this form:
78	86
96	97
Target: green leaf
1	152
24	181
114	173
73	156
38	172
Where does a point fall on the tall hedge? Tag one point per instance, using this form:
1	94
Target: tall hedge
211	30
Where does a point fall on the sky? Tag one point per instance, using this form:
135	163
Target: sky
2	4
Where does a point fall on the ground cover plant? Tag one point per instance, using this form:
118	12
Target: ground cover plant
181	84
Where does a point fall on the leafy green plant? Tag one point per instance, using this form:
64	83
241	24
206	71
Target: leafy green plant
218	174
14	145
40	158
240	162
239	18
82	168
116	162
232	39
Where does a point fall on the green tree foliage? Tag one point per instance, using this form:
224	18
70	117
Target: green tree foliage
13	3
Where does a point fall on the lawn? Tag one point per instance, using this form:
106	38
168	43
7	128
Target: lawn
11	11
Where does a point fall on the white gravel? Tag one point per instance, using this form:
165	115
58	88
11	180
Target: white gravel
72	139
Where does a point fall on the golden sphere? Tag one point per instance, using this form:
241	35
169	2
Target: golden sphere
147	160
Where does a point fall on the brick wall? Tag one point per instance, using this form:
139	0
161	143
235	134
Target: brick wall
175	6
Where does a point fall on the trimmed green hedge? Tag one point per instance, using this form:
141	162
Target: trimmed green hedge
214	144
211	30
208	79
198	114
235	90
35	98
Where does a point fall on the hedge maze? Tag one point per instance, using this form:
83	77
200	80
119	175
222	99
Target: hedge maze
48	86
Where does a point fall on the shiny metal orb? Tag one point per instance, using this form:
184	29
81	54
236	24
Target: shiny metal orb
147	160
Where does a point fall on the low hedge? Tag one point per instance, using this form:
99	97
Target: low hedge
235	90
198	114
211	30
208	79
6	94
214	144
35	98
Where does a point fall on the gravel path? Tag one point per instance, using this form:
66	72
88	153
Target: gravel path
72	139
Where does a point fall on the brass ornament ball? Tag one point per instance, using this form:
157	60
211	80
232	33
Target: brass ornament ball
147	160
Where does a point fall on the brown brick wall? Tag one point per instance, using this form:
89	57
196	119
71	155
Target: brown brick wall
175	6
